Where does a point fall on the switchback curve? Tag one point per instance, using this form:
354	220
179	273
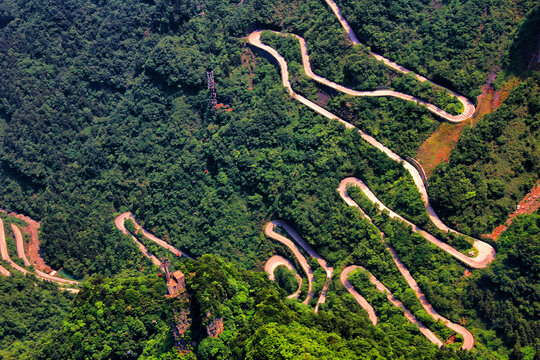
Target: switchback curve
468	107
254	39
359	298
119	222
485	255
380	286
468	339
273	263
269	230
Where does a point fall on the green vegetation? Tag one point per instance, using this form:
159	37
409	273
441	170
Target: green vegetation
495	163
128	317
29	308
104	109
374	115
506	293
286	279
117	318
458	43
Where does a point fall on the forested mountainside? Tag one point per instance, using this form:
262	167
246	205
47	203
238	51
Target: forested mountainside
104	108
457	43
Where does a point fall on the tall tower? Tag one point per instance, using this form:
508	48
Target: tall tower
212	87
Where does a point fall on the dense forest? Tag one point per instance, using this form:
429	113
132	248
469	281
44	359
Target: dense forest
104	109
455	43
258	322
497	162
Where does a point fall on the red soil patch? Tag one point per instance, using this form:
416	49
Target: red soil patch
529	204
32	248
437	148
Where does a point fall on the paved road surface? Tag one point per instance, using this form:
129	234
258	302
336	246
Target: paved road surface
359	298
20	244
119	222
468	339
423	329
329	270
254	39
485	255
269	231
4	271
469	108
276	261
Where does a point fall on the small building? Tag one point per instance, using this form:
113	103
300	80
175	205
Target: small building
176	283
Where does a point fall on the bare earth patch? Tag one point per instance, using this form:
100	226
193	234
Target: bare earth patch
437	148
32	248
529	204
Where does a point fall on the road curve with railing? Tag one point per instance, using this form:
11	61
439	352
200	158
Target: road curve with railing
270	232
485	253
254	39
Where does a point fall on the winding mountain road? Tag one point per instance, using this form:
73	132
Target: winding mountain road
254	39
468	106
276	261
269	230
119	222
39	274
4	271
468	339
486	252
20	244
359	298
271	233
485	255
380	286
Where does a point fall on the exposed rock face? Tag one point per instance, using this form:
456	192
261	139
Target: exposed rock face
181	323
214	327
